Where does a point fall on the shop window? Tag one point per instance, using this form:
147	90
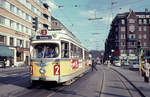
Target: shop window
20	55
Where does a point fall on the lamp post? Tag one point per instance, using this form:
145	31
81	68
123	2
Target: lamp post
112	54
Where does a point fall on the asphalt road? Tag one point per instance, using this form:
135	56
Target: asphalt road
102	83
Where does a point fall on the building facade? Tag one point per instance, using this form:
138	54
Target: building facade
127	30
16	26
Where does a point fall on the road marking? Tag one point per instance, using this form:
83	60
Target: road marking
4	75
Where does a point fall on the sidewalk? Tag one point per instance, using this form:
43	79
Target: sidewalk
136	80
12	68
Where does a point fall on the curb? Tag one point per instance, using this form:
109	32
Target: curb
12	68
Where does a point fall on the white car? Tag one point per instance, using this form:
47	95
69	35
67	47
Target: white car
134	65
117	63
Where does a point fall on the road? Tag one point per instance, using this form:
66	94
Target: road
102	83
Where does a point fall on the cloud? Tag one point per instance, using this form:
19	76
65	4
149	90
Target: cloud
88	13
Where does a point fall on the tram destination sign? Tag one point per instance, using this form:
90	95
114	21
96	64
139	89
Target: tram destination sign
43	37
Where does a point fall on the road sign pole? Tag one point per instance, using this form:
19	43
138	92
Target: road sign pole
140	63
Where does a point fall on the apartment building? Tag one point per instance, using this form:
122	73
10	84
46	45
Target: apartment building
127	29
16	26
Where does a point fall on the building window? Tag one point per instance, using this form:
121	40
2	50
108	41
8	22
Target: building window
140	21
11	23
144	36
140	28
145	44
131	21
20	43
145	21
11	41
2	20
22	28
27	44
132	43
123	29
122	21
27	31
2	3
27	17
122	44
131	35
2	40
140	36
12	8
131	28
144	28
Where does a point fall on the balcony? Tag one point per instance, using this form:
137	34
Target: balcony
132	39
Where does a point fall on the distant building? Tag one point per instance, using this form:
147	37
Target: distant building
127	29
16	26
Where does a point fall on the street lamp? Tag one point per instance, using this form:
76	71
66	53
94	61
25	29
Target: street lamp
112	54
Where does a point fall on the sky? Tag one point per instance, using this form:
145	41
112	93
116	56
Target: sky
74	14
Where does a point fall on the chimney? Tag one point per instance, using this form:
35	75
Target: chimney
146	9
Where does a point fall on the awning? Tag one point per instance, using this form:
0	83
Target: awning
5	52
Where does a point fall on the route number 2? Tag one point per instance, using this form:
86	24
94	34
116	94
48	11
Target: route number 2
56	69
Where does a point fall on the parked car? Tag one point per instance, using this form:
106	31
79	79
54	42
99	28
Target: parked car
126	63
134	65
117	63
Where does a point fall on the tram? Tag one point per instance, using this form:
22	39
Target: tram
57	56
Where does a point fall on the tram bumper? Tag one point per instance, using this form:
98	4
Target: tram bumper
55	78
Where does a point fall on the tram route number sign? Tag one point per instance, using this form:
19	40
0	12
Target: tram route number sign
43	37
57	69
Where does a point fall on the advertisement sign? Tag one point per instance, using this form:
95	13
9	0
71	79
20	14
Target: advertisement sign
74	64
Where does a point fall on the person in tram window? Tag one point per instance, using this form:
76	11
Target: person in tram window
50	53
145	68
40	53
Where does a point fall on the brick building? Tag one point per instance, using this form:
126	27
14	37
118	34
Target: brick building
16	26
127	29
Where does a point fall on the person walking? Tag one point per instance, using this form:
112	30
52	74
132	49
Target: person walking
108	64
145	68
94	65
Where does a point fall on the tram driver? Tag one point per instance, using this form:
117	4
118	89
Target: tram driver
50	53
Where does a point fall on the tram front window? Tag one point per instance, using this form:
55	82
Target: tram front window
49	50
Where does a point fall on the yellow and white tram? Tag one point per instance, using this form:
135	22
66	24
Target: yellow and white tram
69	59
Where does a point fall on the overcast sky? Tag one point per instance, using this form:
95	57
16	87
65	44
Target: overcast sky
74	15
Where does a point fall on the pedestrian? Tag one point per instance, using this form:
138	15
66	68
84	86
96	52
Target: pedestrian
108	64
4	62
94	65
145	68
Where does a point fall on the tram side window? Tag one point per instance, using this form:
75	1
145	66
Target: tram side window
80	53
64	49
86	55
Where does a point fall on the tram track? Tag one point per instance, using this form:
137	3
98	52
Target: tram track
127	85
140	93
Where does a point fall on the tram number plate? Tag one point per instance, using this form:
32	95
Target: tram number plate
42	78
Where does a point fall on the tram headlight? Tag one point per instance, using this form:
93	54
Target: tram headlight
42	70
54	35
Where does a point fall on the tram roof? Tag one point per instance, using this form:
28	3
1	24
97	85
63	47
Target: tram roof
57	35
